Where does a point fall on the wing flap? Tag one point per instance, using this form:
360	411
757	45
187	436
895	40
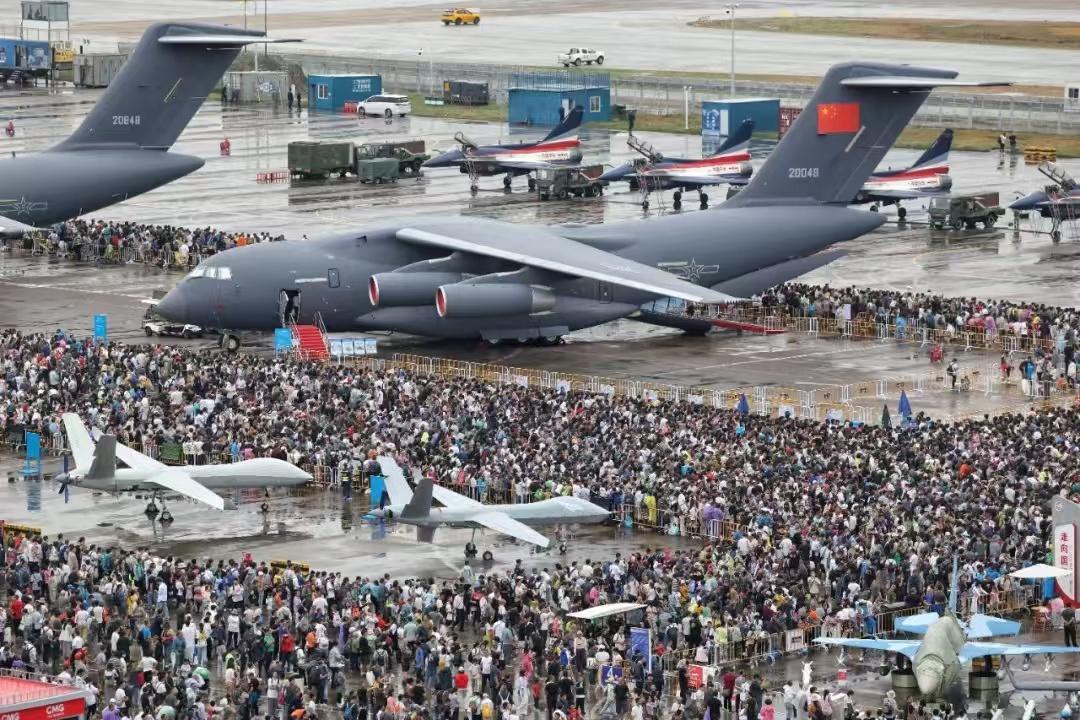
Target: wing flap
906	647
540	248
180	482
503	523
917	624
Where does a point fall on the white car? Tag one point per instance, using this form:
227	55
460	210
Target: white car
385	105
577	56
167	329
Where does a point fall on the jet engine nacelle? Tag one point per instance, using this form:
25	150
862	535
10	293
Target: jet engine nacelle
944	182
491	300
574	155
409	289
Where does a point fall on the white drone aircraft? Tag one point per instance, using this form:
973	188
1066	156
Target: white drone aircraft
96	469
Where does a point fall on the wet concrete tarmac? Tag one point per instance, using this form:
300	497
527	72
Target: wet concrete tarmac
635	34
315	527
226	194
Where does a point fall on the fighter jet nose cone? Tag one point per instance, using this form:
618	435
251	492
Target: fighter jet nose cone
172	306
1028	201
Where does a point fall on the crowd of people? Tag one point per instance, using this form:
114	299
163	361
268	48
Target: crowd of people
835	522
117	242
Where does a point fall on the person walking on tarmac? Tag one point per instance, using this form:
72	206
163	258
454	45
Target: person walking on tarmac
953	372
1001	142
631	118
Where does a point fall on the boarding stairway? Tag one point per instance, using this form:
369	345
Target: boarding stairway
311	340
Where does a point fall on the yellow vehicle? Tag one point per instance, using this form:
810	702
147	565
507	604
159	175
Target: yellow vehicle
460	16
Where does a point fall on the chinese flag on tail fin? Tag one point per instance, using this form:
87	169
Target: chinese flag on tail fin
837	118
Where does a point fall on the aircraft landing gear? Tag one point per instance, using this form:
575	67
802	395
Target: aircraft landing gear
645	205
166	517
901	212
506	181
151	510
474	188
488	556
229	342
874	208
676	200
703	198
532	184
470	550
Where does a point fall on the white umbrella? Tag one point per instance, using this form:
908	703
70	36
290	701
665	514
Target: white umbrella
1040	571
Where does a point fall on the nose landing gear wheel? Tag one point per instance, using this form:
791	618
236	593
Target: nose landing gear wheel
166	517
488	556
151	510
506	182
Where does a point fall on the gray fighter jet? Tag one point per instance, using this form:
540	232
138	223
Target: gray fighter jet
469	277
120	149
415	508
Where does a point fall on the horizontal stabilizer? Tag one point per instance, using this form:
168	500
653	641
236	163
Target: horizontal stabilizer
419	505
451	499
753	283
905	82
14	228
180	482
982	626
221	40
917	624
104	465
394	480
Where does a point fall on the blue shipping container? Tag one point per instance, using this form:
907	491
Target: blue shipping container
331	92
541	107
25	54
720	117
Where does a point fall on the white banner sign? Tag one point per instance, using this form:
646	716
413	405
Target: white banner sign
1065	557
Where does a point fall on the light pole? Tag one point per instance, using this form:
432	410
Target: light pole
266	26
687	89
731	8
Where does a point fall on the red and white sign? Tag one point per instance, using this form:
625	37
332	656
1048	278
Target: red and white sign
1064	557
695	676
50	711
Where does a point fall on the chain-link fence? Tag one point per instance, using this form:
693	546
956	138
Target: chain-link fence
665	95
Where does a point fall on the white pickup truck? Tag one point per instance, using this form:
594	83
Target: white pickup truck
577	56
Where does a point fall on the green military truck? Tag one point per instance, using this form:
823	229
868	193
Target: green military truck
313	159
322	159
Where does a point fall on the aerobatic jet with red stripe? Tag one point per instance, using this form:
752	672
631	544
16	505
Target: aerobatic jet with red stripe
560	147
928	177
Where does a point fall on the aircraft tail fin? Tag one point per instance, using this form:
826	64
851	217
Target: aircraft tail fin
842	134
420	504
569	124
936	154
161	85
738	141
104	465
82	445
954	584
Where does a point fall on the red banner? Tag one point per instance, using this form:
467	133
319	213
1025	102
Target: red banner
50	711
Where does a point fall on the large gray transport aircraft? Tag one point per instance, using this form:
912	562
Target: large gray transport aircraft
469	277
121	149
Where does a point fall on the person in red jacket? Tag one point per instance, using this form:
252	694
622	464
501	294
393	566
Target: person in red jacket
461	684
288	645
15	613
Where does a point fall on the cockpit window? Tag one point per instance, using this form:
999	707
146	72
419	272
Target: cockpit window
198	272
224	273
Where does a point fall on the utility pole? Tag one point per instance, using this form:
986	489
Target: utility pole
731	8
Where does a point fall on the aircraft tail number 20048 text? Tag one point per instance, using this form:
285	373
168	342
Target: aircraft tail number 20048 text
803	172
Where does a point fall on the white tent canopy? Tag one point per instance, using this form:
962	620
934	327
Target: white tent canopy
603	611
1039	572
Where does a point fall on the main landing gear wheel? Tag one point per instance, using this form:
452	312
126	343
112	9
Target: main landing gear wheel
166	517
677	205
488	556
506	182
873	208
532	184
677	196
470	550
703	198
901	213
473	188
151	510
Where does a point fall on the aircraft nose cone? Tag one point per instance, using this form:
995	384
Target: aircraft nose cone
173	306
615	174
1028	202
442	159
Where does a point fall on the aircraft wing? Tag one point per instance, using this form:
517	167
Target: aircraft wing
902	194
917	624
982	626
136	460
690	179
973	650
14	228
180	482
533	164
394	479
540	248
451	499
503	523
907	647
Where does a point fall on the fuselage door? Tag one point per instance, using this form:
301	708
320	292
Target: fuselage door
603	292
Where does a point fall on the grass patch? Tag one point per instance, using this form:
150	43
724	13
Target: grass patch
917	138
984	32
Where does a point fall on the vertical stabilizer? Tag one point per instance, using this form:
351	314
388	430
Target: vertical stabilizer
737	142
79	440
104	465
161	85
842	134
936	154
420	504
570	124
